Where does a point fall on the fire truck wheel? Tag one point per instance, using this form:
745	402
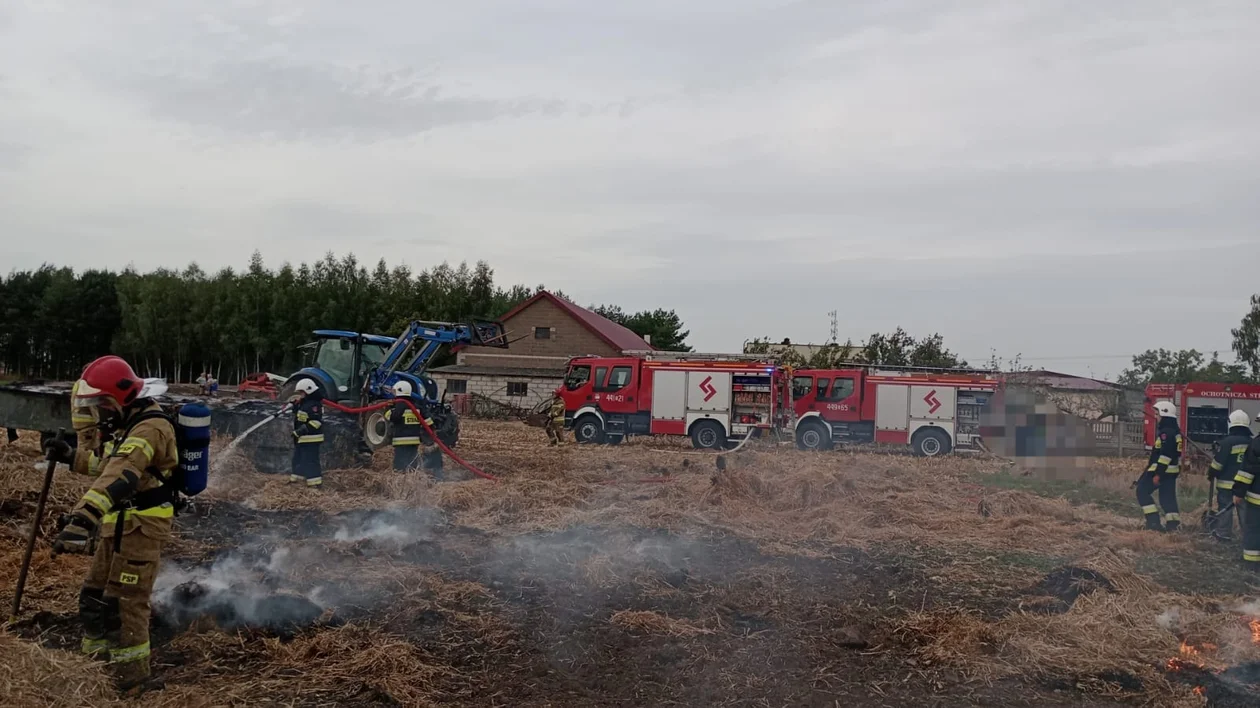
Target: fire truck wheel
588	430
929	442
813	436
707	435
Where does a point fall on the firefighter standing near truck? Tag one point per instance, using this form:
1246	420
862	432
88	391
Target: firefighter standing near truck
1161	472
308	434
555	419
1247	498
1224	469
406	428
128	509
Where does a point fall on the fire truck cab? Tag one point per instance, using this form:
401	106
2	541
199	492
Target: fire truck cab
1202	408
710	400
933	413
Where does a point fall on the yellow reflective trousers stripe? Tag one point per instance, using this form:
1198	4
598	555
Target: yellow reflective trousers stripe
164	511
121	656
99	500
311	438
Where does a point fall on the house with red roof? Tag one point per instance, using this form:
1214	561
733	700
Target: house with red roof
543	333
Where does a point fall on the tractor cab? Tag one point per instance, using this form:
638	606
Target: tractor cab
341	360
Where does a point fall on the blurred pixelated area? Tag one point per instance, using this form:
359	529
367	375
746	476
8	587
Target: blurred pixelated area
1022	424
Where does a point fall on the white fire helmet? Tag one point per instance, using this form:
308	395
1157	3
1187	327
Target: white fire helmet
307	386
1166	409
402	389
1239	419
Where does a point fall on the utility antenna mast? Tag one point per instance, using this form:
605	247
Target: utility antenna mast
835	327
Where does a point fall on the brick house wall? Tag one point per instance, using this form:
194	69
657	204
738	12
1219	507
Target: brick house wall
495	387
563	337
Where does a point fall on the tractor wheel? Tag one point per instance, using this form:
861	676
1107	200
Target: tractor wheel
376	430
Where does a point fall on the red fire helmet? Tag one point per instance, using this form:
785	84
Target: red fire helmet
108	379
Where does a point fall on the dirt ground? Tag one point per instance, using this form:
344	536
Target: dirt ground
649	574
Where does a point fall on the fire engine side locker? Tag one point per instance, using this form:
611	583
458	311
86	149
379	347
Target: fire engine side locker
709	398
669	402
933	407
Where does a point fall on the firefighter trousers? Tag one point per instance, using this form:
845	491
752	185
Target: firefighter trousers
1167	500
555	430
306	467
1221	523
405	457
114	602
431	461
1251	534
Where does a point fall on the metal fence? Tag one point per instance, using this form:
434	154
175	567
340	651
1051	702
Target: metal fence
1119	438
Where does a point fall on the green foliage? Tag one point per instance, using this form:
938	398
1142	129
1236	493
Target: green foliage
901	349
664	327
177	324
1247	338
1164	366
828	356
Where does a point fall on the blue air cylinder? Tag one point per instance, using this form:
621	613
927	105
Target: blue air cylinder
192	430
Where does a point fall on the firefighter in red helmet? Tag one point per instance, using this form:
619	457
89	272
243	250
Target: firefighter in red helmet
127	515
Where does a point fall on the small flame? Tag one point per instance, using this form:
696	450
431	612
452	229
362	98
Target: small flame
1199	690
1255	631
1188	650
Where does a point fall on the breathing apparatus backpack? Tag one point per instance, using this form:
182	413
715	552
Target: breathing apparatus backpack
191	422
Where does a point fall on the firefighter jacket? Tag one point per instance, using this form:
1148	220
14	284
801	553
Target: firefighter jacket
406	424
557	409
308	420
1245	479
86	423
1166	455
129	485
1229	454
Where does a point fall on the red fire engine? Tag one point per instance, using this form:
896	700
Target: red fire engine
710	398
1202	408
716	399
932	411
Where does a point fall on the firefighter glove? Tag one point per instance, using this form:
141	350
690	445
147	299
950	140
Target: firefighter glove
58	449
76	537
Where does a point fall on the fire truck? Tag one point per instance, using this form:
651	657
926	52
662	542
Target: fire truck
932	411
714	399
1202	408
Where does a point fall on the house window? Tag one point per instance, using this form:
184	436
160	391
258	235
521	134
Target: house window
454	386
518	388
542	333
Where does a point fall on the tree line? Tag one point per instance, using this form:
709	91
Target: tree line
178	323
897	348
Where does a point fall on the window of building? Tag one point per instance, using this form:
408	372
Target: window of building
517	388
454	386
542	333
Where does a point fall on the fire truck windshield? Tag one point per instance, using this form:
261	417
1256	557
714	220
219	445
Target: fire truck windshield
577	377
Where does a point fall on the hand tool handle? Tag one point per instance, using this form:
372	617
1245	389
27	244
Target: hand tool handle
35	523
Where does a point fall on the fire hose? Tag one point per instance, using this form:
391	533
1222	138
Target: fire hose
463	463
423	422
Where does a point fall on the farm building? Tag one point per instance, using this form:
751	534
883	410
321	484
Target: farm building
543	332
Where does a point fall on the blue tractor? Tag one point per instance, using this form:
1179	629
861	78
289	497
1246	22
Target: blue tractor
358	369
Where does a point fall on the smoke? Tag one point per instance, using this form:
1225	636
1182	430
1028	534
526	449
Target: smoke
1169	619
278	583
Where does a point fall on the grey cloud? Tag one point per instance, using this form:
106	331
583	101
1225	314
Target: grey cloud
303	102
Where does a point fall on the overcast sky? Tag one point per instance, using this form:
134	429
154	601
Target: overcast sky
1076	181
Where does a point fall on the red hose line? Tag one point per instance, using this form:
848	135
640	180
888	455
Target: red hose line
484	475
427	428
